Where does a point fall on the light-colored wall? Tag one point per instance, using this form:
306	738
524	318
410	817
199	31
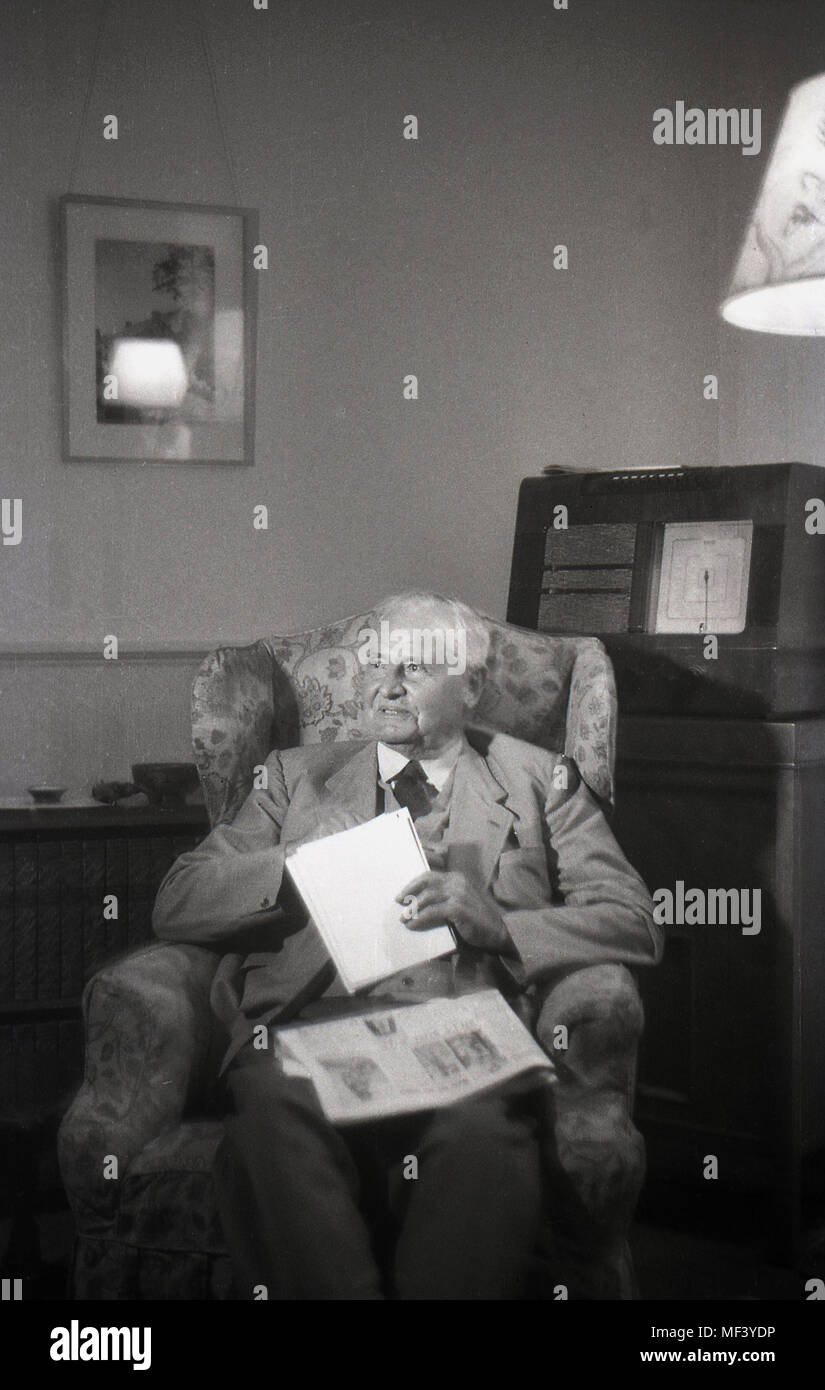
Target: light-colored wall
386	257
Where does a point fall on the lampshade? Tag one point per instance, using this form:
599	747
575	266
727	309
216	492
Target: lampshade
150	373
778	285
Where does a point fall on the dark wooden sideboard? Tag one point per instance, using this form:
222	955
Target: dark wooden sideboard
57	864
733	1056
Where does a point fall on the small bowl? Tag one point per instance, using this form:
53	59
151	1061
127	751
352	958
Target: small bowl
46	796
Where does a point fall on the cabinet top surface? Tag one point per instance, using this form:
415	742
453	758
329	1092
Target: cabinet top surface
78	811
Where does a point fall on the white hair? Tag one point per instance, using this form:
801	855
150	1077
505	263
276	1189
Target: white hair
453	613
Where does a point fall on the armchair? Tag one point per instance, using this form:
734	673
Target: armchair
147	1225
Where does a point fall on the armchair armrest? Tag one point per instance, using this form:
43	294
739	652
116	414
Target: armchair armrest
596	1155
601	1009
150	1043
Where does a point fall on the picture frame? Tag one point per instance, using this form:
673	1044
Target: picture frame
159	331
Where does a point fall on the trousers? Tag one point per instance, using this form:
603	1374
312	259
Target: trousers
314	1211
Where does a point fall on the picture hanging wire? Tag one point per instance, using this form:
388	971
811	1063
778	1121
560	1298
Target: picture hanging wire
105	6
101	25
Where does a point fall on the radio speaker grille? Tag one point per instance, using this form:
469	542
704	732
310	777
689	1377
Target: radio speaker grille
588	572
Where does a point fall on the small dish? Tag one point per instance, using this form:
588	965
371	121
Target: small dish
46	796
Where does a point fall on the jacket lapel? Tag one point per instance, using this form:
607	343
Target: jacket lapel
480	820
354	785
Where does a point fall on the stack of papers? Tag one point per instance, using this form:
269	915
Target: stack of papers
349	883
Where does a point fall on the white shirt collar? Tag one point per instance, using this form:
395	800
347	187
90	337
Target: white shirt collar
438	770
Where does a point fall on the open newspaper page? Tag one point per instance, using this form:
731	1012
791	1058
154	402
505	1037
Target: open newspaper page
414	1057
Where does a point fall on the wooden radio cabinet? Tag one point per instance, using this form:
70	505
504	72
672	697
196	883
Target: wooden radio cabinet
720	785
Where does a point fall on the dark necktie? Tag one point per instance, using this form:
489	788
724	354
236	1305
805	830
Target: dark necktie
411	789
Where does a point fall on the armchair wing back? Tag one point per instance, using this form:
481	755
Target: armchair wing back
558	692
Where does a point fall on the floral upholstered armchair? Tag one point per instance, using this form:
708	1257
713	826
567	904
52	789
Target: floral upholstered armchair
150	1095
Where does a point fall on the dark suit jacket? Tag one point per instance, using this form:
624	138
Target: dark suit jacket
545	853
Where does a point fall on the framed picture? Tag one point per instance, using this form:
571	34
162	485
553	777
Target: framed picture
158	331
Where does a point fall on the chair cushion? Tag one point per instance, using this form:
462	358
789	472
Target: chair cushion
168	1199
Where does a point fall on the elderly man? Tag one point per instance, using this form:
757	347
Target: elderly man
524	868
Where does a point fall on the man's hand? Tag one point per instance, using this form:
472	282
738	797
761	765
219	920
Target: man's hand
439	897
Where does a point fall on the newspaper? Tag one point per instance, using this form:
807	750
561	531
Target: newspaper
414	1057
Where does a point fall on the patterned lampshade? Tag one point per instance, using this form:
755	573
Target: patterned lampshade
778	285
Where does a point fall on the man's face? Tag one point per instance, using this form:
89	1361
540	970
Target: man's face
413	700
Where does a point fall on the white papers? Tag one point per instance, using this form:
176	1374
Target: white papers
419	1057
349	882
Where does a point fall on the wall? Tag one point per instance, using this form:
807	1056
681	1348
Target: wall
387	257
